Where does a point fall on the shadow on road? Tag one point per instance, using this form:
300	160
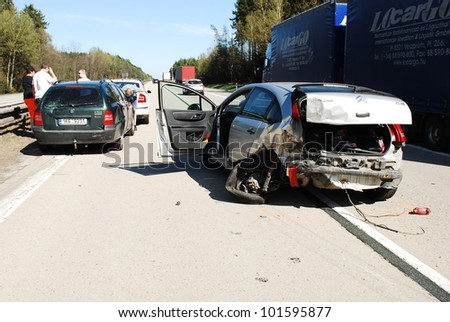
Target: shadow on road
422	155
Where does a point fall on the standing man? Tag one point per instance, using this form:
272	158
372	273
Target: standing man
42	81
82	75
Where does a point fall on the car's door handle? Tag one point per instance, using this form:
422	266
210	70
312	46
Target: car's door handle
251	130
196	116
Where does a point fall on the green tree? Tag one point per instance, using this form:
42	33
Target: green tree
18	43
37	16
7	5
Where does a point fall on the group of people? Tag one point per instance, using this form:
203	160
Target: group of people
35	84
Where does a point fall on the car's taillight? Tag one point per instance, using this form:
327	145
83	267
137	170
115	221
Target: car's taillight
38	118
295	110
108	118
398	135
142	98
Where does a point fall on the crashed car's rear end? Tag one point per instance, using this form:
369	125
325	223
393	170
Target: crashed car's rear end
351	139
335	137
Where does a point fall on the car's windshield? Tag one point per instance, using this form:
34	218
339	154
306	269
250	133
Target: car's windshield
72	97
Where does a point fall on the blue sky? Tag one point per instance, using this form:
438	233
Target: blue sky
152	34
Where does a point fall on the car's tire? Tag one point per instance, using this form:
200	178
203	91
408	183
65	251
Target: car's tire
434	134
145	119
380	194
233	185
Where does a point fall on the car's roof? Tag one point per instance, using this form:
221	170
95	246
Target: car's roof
95	83
318	87
126	80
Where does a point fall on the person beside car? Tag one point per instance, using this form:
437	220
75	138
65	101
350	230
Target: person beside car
130	95
42	81
82	75
28	91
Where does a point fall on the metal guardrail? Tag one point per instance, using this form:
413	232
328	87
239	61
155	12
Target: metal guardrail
12	115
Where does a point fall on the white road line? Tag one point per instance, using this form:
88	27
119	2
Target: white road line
26	189
408	258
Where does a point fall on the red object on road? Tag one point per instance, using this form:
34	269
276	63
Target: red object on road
421	211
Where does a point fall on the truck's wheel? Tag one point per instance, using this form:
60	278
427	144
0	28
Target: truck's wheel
434	134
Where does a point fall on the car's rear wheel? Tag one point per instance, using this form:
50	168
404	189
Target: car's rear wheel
145	119
380	194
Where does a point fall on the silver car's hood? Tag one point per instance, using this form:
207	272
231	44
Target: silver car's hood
356	108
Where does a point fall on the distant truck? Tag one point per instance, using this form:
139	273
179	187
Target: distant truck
166	76
400	47
182	73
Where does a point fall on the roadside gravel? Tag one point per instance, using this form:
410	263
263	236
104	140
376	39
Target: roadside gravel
17	148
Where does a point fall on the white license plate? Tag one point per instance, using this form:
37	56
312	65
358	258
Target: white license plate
72	121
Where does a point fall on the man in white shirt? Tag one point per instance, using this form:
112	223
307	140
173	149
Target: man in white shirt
42	81
82	75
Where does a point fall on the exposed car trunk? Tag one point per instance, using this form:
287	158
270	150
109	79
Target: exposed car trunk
347	139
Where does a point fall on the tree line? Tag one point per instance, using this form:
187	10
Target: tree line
24	42
237	57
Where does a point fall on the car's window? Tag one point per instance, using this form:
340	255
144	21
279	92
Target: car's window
177	98
73	96
236	105
274	114
258	103
123	84
111	94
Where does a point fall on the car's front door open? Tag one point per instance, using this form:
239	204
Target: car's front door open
184	118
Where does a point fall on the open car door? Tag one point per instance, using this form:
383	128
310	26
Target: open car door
184	119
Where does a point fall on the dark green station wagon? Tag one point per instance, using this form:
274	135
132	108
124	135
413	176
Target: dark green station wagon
93	112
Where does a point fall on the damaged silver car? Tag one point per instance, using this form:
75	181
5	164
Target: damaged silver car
334	136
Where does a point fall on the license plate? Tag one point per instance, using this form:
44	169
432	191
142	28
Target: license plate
72	121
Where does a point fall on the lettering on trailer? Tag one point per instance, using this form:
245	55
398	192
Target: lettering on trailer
425	12
300	40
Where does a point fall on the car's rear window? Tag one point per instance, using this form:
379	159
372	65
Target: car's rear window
326	89
123	84
198	82
72	97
